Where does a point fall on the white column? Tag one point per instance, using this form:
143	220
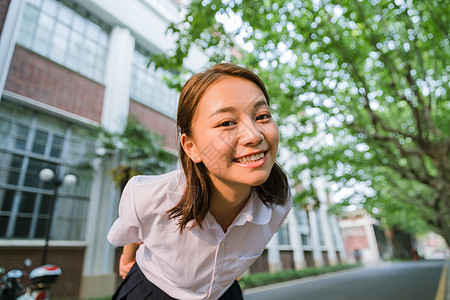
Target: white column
372	256
327	231
8	38
315	240
339	238
273	254
99	256
296	242
117	79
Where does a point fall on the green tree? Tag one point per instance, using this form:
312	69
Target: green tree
360	88
136	150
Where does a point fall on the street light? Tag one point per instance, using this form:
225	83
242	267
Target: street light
47	175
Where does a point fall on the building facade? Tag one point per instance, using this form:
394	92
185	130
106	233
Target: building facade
363	238
309	237
67	67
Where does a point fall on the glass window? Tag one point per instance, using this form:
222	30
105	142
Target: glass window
14	169
283	235
40	141
302	217
44	207
7	202
305	240
21	136
3	225
22	228
32	172
148	86
57	146
50	7
70	38
5	127
27	202
25	199
41	227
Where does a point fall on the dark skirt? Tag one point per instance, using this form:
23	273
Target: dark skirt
136	287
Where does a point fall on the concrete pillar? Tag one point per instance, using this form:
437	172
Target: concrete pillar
98	277
373	255
8	38
116	101
273	254
315	240
296	242
334	224
327	232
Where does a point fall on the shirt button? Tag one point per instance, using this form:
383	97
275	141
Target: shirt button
249	218
221	245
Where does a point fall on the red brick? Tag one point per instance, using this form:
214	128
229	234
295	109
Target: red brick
4	5
69	259
156	122
38	78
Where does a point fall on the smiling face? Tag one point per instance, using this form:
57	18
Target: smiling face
233	134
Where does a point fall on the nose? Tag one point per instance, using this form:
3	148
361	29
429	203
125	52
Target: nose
251	134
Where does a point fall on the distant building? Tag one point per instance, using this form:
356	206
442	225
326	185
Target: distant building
367	242
360	233
432	246
310	237
67	67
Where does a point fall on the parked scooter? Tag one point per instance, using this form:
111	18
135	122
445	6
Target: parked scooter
41	278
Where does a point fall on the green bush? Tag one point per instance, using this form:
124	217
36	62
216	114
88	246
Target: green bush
260	279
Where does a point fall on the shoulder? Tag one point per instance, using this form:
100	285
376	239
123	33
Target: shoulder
154	181
152	192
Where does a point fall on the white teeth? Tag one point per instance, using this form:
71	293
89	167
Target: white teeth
250	158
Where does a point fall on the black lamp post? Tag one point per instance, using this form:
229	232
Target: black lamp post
48	175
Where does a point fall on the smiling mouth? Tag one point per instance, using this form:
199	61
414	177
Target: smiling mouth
250	158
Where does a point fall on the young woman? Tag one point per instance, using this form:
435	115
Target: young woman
189	234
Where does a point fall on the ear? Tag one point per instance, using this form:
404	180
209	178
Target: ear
189	148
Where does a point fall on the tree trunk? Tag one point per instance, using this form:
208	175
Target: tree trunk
442	213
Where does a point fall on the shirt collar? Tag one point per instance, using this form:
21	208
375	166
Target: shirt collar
254	210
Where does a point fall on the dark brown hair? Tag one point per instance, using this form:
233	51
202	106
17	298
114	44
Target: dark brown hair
194	203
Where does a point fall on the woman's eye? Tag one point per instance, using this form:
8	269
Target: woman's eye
226	124
263	117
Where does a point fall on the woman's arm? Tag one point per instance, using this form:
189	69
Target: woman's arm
128	258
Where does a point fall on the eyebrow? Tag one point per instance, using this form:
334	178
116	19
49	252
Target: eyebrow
226	109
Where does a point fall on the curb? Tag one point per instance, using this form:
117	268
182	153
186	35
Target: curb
298	280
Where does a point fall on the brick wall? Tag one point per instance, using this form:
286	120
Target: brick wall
355	238
38	78
157	122
70	260
4	5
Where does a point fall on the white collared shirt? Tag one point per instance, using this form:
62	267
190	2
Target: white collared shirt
197	264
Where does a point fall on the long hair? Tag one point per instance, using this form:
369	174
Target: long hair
194	203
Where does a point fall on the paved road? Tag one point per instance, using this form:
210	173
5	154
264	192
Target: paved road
397	281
